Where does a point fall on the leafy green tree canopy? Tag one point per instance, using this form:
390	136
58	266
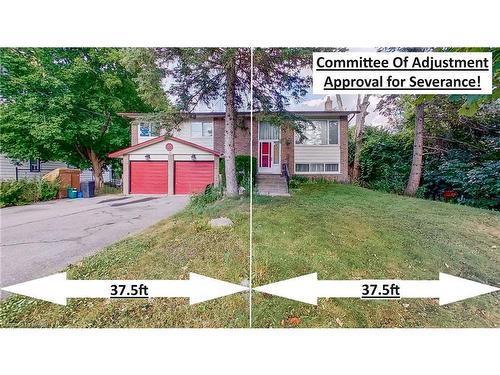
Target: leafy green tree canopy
63	104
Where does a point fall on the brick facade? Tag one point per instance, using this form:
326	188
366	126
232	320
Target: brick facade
241	136
219	134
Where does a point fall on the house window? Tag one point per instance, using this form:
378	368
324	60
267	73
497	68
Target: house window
34	165
276	153
331	167
149	129
316	167
333	132
301	167
319	132
201	129
268	131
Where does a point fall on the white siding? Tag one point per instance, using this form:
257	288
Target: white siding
317	154
184	132
8	169
87	175
159	149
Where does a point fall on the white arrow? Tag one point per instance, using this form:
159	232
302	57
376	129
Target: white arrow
57	288
308	289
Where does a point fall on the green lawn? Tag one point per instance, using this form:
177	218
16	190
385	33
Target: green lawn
168	250
347	232
338	231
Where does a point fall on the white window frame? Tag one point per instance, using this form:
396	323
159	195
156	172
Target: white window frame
316	173
327	135
203	123
150	126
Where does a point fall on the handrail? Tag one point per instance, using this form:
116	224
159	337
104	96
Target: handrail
285	172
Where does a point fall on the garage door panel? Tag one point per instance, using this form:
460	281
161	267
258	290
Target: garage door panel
193	176
148	177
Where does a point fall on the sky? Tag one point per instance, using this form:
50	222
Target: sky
311	102
317	102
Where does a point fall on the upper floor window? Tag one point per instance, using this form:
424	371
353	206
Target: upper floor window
201	129
268	131
34	165
149	129
319	132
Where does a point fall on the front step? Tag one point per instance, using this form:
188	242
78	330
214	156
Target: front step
272	184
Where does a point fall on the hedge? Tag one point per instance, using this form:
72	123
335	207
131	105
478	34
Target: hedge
242	170
16	193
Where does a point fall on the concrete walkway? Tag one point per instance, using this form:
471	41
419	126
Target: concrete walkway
41	239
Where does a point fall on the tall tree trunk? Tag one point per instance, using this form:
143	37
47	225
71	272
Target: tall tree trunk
96	169
418	151
340	105
362	106
229	124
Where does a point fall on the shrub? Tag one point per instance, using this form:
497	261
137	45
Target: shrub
298	180
385	160
476	183
242	170
210	195
15	193
11	193
47	190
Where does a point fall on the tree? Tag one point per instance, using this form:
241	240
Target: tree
469	107
340	104
362	106
418	152
62	104
204	75
472	103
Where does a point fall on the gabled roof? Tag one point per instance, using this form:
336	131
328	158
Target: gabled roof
161	138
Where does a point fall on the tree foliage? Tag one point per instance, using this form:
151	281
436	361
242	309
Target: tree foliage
62	104
461	153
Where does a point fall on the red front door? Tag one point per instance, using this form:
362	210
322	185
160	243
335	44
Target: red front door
265	154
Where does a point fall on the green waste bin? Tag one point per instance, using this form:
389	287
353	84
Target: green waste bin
72	193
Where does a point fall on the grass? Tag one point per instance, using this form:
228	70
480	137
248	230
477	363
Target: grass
107	189
347	232
338	231
168	250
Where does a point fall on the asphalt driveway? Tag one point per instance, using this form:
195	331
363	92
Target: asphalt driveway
41	239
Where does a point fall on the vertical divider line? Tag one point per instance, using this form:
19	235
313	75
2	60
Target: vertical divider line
251	190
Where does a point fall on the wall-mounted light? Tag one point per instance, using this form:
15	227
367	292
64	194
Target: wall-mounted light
147	157
193	157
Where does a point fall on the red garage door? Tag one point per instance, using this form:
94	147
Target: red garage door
148	177
193	176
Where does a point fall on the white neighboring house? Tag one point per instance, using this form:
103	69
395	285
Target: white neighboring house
10	170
